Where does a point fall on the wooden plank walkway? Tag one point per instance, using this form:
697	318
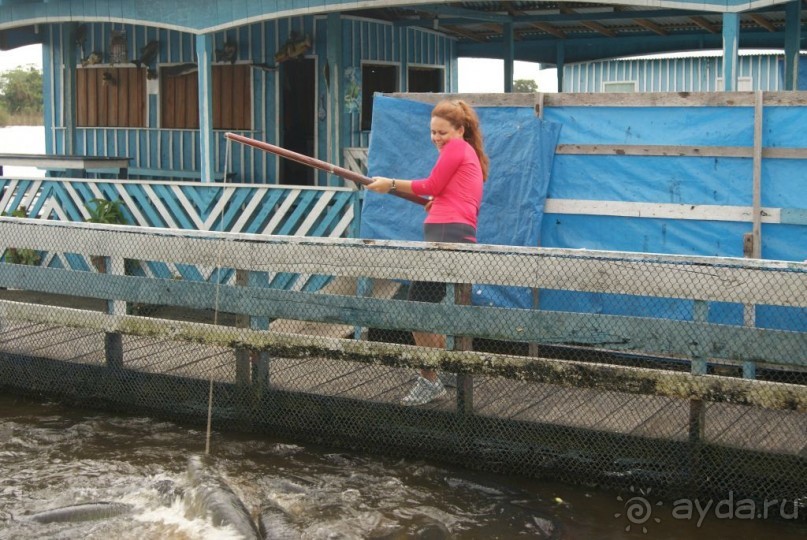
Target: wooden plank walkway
774	431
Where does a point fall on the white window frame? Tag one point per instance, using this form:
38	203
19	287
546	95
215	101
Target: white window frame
606	84
744	84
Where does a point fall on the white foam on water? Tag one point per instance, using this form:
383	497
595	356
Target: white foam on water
174	520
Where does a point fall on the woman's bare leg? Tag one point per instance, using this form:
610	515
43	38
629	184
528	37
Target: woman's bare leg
434	341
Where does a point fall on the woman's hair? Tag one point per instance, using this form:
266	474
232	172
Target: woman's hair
458	113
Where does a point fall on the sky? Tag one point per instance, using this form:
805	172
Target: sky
475	74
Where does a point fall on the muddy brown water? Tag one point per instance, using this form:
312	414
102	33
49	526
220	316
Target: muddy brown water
53	456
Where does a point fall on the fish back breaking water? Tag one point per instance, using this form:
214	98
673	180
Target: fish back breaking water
67	473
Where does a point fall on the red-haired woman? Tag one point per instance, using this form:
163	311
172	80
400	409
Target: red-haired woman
455	188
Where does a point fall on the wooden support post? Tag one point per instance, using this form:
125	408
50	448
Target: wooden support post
755	251
465	386
113	341
364	288
509	56
697	408
243	371
792	44
251	367
68	76
333	89
204	58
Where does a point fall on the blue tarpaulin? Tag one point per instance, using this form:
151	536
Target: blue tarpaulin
521	149
687	180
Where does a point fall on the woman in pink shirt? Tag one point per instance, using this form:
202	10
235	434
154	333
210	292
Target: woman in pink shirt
455	188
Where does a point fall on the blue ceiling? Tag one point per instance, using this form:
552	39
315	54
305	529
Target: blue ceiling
541	30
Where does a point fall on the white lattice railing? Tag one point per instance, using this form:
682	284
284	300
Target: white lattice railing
356	159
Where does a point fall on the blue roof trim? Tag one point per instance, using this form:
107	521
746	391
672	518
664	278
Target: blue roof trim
205	16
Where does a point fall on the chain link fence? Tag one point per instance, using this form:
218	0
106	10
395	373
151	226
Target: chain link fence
685	374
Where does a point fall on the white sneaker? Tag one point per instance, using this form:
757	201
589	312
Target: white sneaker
424	391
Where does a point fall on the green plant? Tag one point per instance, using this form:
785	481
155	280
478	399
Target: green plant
22	256
104	211
109	212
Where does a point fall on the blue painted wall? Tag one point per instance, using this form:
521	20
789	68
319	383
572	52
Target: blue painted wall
693	74
364	41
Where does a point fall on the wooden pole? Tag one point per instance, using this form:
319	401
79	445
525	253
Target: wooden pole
318	164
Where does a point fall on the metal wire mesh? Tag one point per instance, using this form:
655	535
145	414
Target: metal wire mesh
685	374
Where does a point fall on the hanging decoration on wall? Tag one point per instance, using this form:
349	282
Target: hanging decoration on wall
294	47
79	37
95	57
352	90
108	79
118	51
322	113
148	54
228	52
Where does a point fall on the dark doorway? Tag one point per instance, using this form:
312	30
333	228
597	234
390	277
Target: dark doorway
375	78
297	104
425	80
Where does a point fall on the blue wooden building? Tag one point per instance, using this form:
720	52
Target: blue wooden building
161	82
702	72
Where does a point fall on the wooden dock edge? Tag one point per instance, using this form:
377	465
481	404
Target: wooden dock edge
633	380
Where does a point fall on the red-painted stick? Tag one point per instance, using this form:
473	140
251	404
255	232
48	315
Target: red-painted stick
318	164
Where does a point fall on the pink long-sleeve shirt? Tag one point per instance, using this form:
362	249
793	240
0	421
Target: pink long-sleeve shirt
455	183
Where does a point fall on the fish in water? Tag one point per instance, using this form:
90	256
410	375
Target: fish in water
294	47
274	523
147	54
180	69
95	57
168	491
82	512
227	53
212	496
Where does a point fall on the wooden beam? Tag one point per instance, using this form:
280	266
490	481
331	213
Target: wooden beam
657	275
763	22
566	373
597	27
650	25
462	33
706	25
678	151
689	212
674	99
757	178
544	27
549	29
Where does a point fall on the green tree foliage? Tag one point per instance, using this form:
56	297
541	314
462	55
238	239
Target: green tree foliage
21	90
527	86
